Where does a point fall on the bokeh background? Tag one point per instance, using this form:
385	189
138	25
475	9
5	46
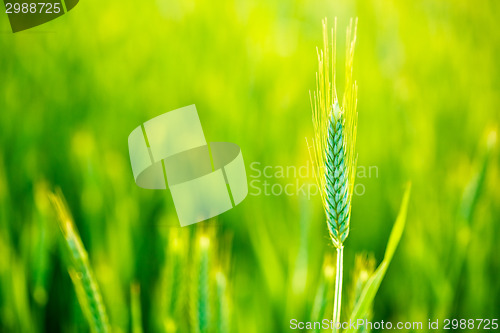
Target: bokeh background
74	88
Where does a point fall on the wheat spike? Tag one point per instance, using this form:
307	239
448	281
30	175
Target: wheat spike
332	153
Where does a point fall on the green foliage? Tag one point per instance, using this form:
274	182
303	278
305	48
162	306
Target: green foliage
73	89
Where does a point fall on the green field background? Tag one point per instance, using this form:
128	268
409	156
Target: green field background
73	89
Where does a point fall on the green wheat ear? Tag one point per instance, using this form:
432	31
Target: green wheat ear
333	154
80	271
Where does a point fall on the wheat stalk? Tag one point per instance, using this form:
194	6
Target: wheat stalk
332	153
80	271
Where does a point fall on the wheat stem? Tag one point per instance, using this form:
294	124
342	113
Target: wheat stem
338	287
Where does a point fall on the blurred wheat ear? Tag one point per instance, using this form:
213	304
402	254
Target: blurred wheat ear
173	280
364	267
135	297
79	268
200	310
333	150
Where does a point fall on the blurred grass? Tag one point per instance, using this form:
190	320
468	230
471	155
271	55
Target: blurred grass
74	88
